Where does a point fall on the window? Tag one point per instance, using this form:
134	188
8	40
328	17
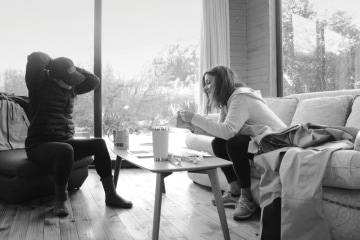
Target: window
150	55
321	45
59	28
150	62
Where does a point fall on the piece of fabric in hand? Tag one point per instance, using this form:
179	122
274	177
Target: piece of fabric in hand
182	124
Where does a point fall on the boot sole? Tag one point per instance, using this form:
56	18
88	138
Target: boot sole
226	204
120	206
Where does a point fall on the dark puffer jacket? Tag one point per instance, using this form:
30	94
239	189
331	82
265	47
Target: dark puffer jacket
51	107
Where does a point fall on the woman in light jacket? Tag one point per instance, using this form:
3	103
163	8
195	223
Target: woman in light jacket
243	113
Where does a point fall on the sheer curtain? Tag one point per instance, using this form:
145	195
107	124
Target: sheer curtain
215	40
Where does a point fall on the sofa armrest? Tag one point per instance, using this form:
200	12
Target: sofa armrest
199	142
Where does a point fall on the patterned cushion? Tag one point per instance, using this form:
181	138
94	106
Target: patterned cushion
284	108
331	111
354	117
342	212
343	170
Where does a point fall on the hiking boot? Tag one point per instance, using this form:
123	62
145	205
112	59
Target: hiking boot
229	200
244	208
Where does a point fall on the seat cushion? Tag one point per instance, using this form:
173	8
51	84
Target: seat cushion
15	189
15	163
343	170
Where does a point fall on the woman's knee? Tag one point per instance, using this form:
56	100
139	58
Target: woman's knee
218	146
98	143
63	151
102	142
238	142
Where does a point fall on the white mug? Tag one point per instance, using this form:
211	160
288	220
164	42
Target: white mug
160	136
121	139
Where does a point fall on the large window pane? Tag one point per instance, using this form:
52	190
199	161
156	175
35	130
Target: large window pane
320	45
150	62
59	28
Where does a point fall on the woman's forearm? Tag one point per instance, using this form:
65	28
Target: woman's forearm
36	72
91	82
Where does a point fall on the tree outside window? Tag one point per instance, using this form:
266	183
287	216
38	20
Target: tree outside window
321	45
136	94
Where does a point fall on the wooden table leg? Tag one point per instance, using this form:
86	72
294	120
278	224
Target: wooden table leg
157	205
219	203
117	170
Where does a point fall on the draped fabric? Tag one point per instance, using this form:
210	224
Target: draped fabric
215	40
292	166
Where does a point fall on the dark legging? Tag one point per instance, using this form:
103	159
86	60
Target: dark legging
60	156
235	150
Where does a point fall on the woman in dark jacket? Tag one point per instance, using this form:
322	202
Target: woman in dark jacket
53	85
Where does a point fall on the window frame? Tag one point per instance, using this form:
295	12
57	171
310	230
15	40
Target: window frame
97	68
279	46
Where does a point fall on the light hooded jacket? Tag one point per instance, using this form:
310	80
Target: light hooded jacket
245	112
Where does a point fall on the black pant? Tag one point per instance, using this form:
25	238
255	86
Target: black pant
235	150
60	156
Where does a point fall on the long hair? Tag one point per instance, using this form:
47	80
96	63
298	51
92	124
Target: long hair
226	81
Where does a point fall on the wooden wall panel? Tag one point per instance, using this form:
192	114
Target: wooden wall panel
258	44
252	43
238	41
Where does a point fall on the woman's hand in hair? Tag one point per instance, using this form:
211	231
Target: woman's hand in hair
186	116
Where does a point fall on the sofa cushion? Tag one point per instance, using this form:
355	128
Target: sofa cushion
343	170
354	117
15	163
330	111
284	108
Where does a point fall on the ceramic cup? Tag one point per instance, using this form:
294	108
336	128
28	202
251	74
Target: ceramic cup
121	139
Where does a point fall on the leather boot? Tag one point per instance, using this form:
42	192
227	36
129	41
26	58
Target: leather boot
61	195
111	197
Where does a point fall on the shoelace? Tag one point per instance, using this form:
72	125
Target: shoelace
242	203
227	193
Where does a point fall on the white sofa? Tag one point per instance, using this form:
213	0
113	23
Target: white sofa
341	183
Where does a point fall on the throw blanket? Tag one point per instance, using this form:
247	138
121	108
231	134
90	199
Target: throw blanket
292	164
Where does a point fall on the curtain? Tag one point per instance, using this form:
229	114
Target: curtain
215	40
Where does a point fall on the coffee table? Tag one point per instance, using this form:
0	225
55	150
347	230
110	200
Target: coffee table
162	169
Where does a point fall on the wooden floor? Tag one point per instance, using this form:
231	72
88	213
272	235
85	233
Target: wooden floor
187	213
